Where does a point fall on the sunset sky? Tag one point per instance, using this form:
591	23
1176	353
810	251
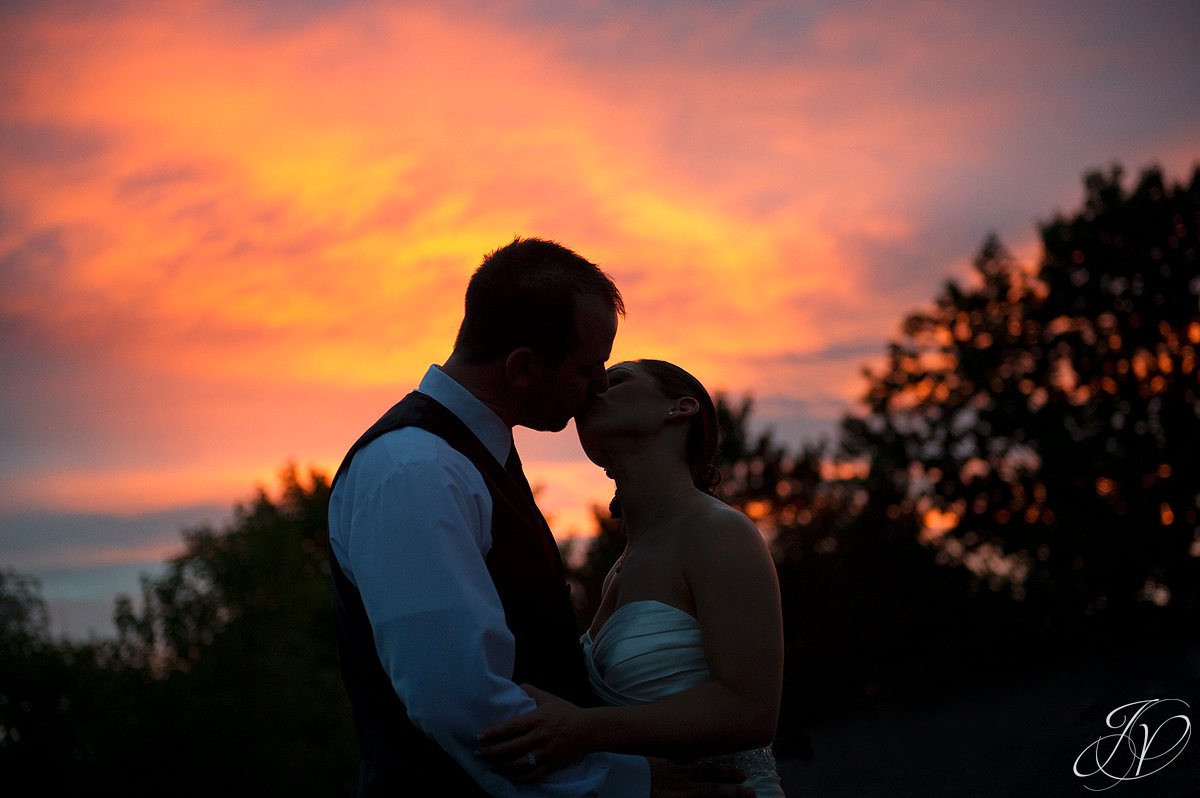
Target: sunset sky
232	234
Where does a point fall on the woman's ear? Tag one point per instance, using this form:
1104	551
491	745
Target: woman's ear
685	406
519	367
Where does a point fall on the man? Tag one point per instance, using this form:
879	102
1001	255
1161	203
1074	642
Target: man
448	587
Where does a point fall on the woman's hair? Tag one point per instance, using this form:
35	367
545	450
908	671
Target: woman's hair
703	438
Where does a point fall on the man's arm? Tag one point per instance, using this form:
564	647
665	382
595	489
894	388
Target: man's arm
412	526
732	580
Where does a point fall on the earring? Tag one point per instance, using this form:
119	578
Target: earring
670	412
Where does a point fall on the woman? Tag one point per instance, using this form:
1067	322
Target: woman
687	646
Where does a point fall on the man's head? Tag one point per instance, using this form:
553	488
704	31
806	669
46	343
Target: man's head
550	317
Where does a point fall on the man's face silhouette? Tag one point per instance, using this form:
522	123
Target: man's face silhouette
559	392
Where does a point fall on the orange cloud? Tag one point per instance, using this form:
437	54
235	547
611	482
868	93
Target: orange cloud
234	236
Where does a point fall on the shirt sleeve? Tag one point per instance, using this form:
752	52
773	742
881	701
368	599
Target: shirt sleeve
413	528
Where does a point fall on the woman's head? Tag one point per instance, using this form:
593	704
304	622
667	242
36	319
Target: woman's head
703	435
646	397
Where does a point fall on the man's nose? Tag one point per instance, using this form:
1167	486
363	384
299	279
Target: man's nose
599	383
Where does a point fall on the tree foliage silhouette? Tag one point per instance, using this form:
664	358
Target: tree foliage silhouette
238	638
67	709
1041	428
223	681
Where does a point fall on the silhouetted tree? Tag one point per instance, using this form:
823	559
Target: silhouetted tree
65	707
224	680
1041	428
29	672
238	637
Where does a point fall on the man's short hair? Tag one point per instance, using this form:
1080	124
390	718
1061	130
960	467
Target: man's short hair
525	294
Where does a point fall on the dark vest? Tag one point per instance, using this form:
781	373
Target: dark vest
524	563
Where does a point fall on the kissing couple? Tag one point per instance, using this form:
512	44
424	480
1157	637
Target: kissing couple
456	636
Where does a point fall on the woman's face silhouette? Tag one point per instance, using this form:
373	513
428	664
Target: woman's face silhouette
632	407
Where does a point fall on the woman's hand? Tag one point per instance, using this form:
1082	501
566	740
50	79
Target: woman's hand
555	734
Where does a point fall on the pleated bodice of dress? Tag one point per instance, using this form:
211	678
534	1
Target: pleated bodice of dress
647	651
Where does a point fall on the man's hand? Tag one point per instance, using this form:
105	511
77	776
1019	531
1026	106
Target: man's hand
532	745
668	780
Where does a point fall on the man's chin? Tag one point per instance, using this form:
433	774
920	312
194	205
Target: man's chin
549	425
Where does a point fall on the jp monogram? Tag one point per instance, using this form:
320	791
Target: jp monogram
1135	751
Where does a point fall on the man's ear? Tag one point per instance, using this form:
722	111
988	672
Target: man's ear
519	367
685	406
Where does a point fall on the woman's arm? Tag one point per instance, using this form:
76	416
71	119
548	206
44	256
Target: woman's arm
736	592
733	583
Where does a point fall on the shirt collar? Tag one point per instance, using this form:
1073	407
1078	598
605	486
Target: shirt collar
491	430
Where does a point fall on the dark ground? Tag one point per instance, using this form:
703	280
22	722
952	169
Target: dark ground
1014	737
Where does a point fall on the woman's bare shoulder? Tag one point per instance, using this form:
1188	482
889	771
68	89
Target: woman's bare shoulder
721	529
728	564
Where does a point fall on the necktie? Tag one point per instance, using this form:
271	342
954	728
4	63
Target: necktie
513	466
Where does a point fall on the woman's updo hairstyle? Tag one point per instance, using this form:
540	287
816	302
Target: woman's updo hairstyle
700	449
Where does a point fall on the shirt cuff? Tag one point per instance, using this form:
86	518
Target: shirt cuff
628	777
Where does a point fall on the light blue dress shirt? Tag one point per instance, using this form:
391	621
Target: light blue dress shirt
410	523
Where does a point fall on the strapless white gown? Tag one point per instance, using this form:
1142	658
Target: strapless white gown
647	651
